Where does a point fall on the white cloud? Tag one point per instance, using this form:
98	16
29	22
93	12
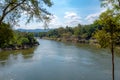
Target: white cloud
55	22
69	18
33	25
72	18
92	17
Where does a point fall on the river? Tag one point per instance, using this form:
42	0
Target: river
53	60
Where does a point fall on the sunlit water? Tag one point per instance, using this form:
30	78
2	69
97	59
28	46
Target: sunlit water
53	60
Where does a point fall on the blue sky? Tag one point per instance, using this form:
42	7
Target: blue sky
82	7
71	13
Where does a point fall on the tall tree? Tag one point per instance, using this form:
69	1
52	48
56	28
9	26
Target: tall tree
109	33
12	10
115	6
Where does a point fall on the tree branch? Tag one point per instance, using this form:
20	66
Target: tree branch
6	12
15	6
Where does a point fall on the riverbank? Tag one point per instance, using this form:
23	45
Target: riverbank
92	41
20	47
18	41
74	40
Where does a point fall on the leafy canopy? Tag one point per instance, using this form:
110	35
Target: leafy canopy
110	28
12	10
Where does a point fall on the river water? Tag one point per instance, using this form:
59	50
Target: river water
53	60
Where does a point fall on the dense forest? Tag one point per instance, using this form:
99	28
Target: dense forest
10	39
77	33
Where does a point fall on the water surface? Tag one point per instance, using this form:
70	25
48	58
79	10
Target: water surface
53	60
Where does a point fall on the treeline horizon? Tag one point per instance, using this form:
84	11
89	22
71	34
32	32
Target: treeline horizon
83	31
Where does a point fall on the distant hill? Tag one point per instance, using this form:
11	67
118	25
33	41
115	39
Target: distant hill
33	30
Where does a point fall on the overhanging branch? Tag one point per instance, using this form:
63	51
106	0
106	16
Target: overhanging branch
5	12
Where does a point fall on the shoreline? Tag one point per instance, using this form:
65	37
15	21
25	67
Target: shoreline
23	47
73	40
92	42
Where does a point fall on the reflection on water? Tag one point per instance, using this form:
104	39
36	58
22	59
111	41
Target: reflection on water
53	60
15	56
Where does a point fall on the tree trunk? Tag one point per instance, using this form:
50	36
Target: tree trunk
113	72
112	51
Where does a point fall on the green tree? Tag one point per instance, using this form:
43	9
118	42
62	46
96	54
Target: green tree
103	38
115	6
78	30
60	31
12	10
24	40
6	34
69	29
42	34
109	32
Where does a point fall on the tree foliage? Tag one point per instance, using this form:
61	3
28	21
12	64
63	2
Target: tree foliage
12	10
103	38
6	34
110	27
79	31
